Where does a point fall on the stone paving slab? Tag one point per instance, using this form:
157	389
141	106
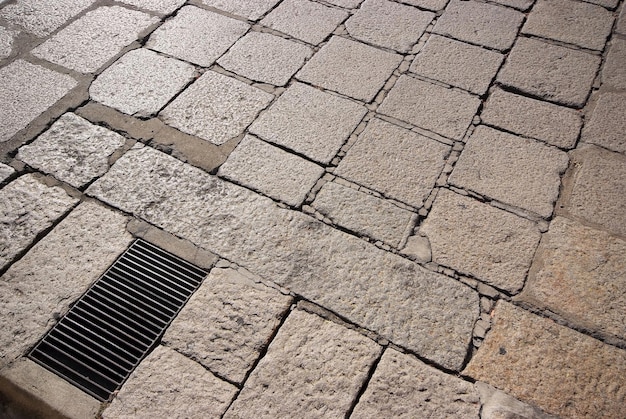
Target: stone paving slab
434	5
159	6
349	4
6	42
614	70
6	171
251	9
606	126
42	17
620	27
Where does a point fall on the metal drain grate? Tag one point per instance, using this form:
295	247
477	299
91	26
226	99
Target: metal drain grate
105	335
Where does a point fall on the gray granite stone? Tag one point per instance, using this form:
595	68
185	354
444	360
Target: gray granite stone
445	111
522	5
313	368
606	126
42	17
5	172
614	69
160	6
72	150
610	4
434	5
233	106
309	121
6	42
499	405
348	4
251	9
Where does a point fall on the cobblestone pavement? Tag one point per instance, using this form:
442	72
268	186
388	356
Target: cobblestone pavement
411	208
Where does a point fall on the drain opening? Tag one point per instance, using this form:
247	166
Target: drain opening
113	326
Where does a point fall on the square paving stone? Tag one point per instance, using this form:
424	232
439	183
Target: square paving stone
434	5
6	42
309	121
484	24
550	72
265	58
614	69
389	24
141	82
474	238
160	6
446	111
42	17
394	161
251	9
233	105
511	169
197	35
606	126
457	63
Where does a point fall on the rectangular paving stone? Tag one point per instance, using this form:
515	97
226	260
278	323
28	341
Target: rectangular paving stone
160	6
606	126
313	368
614	69
6	42
251	9
42	17
5	172
561	371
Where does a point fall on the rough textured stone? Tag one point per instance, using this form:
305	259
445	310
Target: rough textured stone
544	121
434	5
492	245
5	172
26	91
86	44
480	23
388	24
607	125
522	5
418	248
511	169
429	313
614	70
394	161
272	171
251	9
75	253
499	405
72	150
167	384
447	112
232	107
227	323
349	4
159	6
42	17
312	368
404	387
611	4
197	35
351	68
457	63
6	42
551	72
562	371
621	23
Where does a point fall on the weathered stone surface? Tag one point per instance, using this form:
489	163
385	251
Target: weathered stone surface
434	5
72	150
457	63
26	91
611	4
499	405
551	72
159	6
621	23
544	121
418	248
197	35
402	387
351	68
86	44
394	161
251	9
614	70
232	107
312	368
581	24
5	172
349	4
75	253
447	112
480	23
168	384
227	323
511	169
42	17
561	371
522	5
272	171
474	238
606	126
388	24
429	313
309	121
6	42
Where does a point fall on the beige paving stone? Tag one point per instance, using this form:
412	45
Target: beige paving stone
621	22
445	111
606	126
42	17
563	372
457	63
6	171
160	6
394	161
6	42
522	5
349	4
233	106
611	4
434	5
497	404
167	384
251	9
309	121
614	70
313	368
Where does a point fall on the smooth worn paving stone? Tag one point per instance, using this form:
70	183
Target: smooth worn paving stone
5	172
75	254
402	386
26	91
431	314
475	238
227	323
434	5
497	404
394	161
606	126
168	384
159	6
550	123
309	121
266	58
388	24
313	368
233	106
484	24
457	64
442	110
251	9
550	72
614	69
6	42
42	17
559	370
522	5
197	35
272	171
